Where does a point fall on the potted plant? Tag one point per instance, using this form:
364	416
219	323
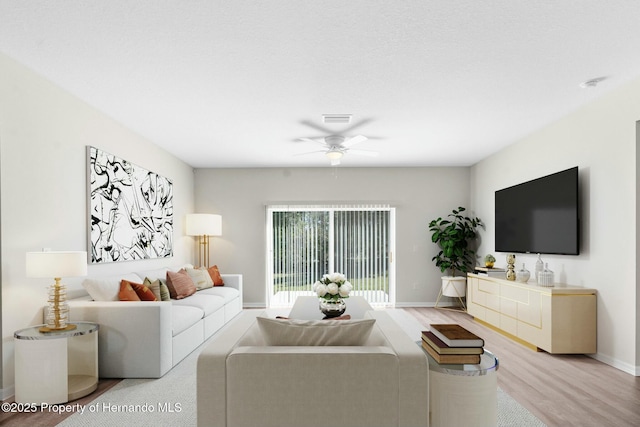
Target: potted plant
489	260
453	234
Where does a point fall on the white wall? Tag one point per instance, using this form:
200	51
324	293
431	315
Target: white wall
44	132
419	195
601	140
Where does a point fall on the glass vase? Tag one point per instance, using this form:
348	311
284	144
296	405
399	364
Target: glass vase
332	308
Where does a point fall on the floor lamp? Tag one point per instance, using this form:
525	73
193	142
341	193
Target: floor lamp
57	265
203	226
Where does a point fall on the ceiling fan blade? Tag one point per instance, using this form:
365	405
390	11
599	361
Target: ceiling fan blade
317	127
314	141
365	153
353	141
356	125
309	152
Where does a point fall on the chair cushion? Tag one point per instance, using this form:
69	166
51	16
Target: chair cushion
290	332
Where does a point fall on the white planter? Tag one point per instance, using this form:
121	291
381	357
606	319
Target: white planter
454	286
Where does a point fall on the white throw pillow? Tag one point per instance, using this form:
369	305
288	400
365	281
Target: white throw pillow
201	277
291	332
107	288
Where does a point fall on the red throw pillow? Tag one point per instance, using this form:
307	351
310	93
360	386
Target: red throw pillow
180	284
126	292
215	276
143	292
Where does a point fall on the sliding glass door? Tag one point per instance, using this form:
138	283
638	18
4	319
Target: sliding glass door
305	242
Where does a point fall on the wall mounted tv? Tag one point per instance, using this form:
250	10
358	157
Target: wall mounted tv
539	216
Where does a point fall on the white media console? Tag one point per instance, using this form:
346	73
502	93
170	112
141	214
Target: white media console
559	319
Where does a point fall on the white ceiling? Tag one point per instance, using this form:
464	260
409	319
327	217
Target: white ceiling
235	83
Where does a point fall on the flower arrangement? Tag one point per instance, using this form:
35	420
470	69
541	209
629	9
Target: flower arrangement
332	287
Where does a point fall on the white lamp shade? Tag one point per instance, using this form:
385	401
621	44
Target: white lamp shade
204	225
56	264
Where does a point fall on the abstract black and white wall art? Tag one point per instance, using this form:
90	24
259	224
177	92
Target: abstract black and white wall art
130	210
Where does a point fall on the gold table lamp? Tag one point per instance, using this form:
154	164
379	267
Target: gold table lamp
57	265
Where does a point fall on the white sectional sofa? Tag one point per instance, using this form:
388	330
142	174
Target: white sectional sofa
145	339
243	382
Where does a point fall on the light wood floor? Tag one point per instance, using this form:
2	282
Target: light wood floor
561	390
564	390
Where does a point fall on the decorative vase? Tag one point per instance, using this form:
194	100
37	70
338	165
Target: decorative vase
332	308
545	278
523	275
539	267
489	264
511	260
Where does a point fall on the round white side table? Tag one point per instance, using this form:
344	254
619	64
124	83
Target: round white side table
56	367
464	395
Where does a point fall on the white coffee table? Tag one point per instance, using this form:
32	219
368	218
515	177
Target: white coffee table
307	308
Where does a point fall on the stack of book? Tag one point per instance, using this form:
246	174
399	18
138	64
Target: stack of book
491	272
452	344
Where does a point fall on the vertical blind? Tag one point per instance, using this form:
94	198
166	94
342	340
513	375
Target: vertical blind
305	242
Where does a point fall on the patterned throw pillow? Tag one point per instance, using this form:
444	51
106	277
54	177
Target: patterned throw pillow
159	288
143	292
215	276
180	284
164	292
154	286
126	292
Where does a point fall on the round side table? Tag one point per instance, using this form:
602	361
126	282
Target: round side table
464	394
56	367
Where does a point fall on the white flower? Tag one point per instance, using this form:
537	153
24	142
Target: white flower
337	278
332	288
345	289
315	285
321	290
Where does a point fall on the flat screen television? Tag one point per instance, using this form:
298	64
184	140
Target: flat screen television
539	216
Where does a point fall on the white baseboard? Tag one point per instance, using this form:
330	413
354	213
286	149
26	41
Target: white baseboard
624	367
8	392
254	305
424	304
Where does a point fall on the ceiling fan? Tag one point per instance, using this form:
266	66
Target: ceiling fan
336	146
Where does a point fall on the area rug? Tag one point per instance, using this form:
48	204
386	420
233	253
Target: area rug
171	401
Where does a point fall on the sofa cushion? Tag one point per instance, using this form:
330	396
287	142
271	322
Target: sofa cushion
107	288
180	284
214	272
206	303
183	317
226	292
200	277
289	332
126	292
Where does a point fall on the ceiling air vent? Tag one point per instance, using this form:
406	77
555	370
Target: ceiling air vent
336	118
